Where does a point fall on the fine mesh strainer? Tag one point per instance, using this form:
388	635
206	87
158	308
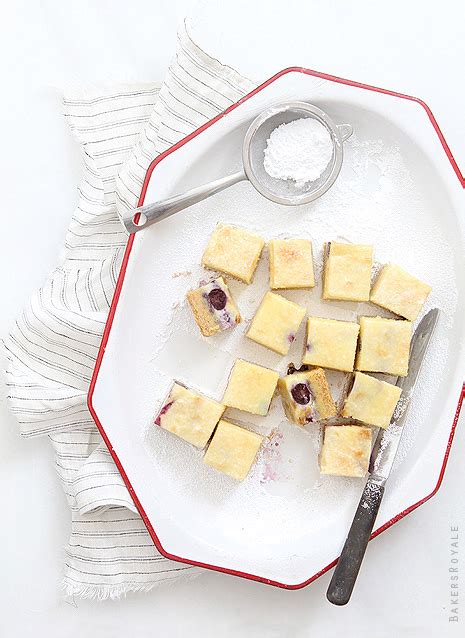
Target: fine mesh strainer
255	141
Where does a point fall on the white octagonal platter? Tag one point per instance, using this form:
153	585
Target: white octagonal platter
399	189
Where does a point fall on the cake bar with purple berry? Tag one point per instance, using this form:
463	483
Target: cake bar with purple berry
213	307
306	396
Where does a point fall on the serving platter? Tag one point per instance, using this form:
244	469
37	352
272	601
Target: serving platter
401	190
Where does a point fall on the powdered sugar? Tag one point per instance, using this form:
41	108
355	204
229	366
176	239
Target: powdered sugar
379	199
285	483
299	151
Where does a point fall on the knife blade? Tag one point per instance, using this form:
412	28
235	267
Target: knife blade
381	462
387	442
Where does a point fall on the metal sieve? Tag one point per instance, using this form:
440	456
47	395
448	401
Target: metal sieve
255	141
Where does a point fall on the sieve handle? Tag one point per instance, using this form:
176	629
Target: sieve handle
152	213
345	131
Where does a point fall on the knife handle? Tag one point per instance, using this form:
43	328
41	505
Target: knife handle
347	568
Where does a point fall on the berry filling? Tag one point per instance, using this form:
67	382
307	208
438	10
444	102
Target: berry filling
163	411
301	393
226	320
291	368
217	298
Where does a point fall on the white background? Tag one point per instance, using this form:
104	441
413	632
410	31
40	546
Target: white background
417	47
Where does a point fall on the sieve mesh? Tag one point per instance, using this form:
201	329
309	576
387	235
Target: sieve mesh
288	191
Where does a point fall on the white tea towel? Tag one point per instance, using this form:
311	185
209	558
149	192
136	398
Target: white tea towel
52	348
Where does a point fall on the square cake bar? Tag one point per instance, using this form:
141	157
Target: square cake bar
232	450
276	323
189	415
399	292
250	387
384	346
331	343
371	400
346	450
291	264
347	272
233	251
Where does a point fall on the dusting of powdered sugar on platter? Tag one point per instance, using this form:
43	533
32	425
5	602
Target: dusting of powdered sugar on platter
379	198
374	192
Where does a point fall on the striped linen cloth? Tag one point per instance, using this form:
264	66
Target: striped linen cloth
52	348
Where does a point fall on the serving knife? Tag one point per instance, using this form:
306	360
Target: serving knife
381	462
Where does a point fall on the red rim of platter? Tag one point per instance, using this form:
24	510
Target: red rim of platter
119	286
